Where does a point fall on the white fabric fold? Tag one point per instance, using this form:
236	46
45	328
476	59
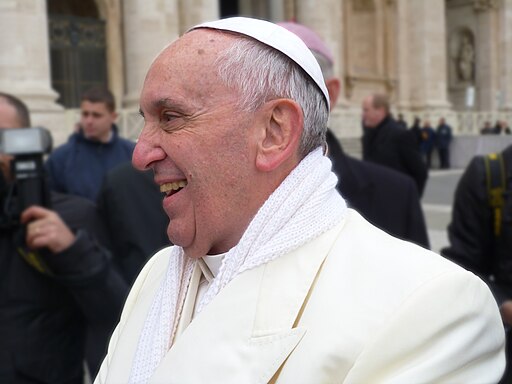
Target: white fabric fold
304	206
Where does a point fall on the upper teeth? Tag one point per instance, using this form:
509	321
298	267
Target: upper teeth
167	187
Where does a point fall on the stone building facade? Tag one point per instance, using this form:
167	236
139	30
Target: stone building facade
433	58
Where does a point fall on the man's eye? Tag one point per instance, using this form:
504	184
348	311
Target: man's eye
168	117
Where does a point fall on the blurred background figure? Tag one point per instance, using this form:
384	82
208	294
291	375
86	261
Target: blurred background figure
428	140
501	128
387	144
487	129
400	121
443	141
130	204
480	232
416	131
79	166
386	198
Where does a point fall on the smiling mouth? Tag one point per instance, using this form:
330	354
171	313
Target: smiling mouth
172	188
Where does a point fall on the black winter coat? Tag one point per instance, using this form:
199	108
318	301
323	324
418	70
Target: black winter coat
473	243
130	204
386	198
391	146
50	323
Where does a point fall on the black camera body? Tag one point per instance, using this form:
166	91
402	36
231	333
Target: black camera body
27	185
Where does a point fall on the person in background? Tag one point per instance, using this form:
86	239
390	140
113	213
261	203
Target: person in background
501	128
387	144
79	166
428	141
480	231
60	295
401	122
272	278
138	232
416	131
385	197
443	140
487	129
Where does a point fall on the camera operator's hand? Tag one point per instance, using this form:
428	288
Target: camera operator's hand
45	229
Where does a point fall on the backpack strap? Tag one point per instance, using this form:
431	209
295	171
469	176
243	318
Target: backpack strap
496	185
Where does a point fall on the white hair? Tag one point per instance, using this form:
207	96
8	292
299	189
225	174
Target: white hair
260	73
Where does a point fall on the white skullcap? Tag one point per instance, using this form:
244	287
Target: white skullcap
278	38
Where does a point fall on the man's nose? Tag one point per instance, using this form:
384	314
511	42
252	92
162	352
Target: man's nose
147	151
87	119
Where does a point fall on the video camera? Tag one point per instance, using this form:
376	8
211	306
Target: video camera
27	185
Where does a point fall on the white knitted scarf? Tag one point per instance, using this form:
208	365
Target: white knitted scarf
304	206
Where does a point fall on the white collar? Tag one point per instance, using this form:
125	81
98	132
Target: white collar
214	262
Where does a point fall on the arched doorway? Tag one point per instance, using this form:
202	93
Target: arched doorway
77	48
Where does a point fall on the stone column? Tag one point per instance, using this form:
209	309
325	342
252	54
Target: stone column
276	10
25	62
325	17
506	51
427	54
25	59
193	12
112	14
403	54
148	27
487	56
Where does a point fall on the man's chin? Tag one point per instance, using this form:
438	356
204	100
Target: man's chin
190	249
91	136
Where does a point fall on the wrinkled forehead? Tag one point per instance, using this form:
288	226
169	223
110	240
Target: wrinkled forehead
186	71
193	51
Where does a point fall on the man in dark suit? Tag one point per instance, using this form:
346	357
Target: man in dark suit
386	198
385	143
130	204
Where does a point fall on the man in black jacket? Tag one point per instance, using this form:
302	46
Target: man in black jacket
385	143
480	232
60	296
139	232
386	198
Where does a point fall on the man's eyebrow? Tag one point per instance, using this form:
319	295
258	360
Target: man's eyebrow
164	103
168	103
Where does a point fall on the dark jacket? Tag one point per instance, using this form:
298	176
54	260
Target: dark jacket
386	198
50	322
79	166
130	204
473	243
428	139
395	148
443	136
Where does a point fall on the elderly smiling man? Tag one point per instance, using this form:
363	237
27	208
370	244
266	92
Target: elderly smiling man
273	278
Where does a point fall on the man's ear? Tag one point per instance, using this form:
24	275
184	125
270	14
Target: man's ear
333	87
280	133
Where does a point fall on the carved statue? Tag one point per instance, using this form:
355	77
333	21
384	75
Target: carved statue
466	59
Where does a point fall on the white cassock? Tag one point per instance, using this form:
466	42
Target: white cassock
354	305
